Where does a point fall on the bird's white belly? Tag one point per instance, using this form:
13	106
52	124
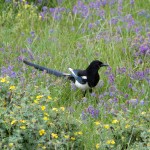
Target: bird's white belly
81	86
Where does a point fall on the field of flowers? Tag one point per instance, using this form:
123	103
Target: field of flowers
39	111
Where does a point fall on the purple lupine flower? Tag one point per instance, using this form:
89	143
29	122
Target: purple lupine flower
121	70
42	15
130	21
132	102
93	94
92	111
142	102
114	21
83	115
132	2
57	12
2	49
40	1
51	31
84	99
20	58
126	96
90	25
144	48
29	40
111	78
8	71
44	9
120	7
81	8
32	33
103	2
101	13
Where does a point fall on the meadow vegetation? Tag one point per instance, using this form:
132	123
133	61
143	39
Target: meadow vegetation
39	111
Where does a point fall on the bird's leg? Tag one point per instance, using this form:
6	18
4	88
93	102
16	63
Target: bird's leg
90	90
84	93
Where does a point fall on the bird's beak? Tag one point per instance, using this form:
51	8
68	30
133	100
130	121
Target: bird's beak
104	65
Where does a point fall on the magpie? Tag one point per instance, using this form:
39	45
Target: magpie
83	79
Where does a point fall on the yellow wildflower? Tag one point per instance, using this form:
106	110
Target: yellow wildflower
97	146
46	114
4	80
72	138
23	127
39	96
27	6
66	136
54	109
97	123
80	133
43	147
115	121
45	118
13	122
22	121
106	126
127	126
43	107
49	97
62	108
55	136
40	17
12	87
36	101
110	142
11	145
143	113
42	132
18	15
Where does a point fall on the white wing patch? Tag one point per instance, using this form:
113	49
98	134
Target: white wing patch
71	70
84	77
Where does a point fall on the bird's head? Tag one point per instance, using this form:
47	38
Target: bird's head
96	64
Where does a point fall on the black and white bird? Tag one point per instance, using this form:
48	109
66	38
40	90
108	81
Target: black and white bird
83	79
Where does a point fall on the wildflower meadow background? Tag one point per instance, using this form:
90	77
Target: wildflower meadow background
39	111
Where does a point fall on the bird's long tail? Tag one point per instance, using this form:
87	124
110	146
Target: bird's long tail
49	71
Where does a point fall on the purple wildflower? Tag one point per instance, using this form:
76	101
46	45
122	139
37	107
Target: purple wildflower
83	116
44	9
90	26
92	111
132	102
121	70
111	78
2	49
142	102
120	7
132	2
32	33
93	94
144	48
114	21
8	71
29	40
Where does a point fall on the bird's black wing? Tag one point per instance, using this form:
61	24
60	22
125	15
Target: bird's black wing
49	71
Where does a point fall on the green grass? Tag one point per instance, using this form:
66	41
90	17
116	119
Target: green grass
60	44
